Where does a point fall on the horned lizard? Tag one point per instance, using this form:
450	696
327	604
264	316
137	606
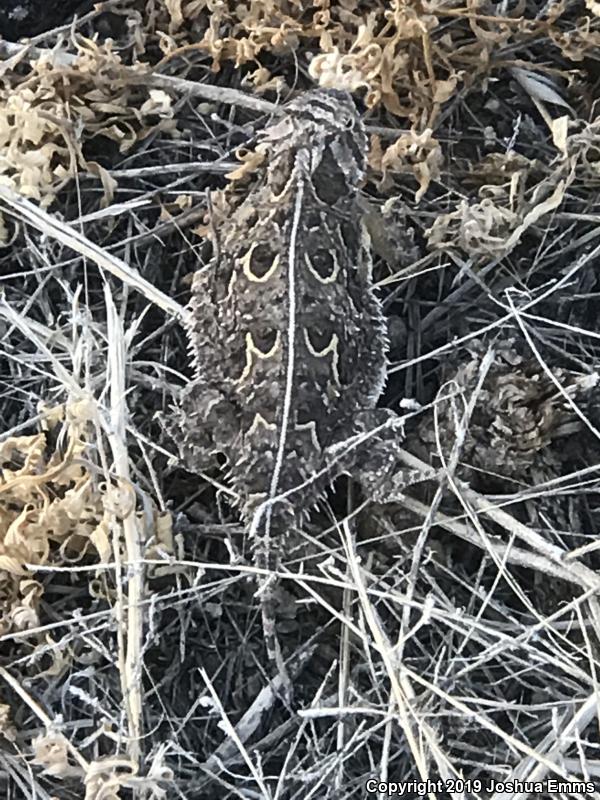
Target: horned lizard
286	332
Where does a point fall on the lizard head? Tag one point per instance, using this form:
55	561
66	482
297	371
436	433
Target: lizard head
324	127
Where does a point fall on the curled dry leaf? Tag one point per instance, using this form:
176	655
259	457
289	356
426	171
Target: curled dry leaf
109	184
511	203
262	81
393	51
481	230
106	778
176	14
409	57
580	40
51	510
163	547
51	752
334	70
580	149
416	154
101	541
35	514
251	159
7	729
377	62
47	117
61	655
158	103
24	615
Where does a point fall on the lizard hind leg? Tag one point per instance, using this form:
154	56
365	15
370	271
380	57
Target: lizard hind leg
370	451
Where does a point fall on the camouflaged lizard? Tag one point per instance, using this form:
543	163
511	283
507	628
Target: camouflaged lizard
287	335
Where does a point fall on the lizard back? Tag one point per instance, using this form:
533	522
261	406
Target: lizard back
286	332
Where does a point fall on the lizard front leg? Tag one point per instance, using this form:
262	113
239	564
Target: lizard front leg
371	455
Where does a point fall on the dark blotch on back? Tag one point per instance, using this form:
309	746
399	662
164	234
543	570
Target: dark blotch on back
323	263
264	339
261	260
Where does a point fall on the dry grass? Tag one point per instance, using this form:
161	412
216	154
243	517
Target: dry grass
451	631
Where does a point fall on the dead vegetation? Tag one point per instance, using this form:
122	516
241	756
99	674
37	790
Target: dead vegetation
452	634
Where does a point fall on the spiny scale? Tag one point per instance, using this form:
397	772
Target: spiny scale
285	329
